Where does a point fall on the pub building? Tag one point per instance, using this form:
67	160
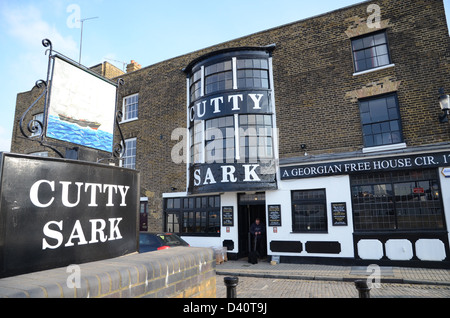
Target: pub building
328	129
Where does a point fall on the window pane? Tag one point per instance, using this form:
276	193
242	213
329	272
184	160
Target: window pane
129	157
370	51
383	60
394	125
414	203
393	113
368	41
382	50
368	141
379	38
213	222
385	127
396	137
378	110
360	65
382	116
372	207
376	129
252	73
309	211
358	44
264	64
359	55
130	108
378	140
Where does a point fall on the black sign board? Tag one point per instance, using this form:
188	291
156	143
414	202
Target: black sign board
226	104
227	216
210	178
274	215
56	212
339	214
414	161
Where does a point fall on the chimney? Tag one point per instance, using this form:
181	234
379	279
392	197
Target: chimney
133	66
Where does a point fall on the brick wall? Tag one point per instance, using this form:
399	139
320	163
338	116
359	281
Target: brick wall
174	273
107	70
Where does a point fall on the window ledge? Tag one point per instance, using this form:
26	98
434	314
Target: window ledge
128	120
374	69
384	148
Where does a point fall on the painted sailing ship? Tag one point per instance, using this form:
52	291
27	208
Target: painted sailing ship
80	122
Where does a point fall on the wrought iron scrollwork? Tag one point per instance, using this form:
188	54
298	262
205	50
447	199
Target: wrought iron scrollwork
47	43
34	125
119	148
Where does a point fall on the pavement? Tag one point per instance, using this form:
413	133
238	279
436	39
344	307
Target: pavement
308	272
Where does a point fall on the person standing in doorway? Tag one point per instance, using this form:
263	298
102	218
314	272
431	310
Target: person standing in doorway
257	230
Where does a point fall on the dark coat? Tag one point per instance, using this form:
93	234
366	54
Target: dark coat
257	228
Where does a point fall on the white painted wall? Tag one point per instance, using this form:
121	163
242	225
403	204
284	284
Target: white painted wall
445	192
337	190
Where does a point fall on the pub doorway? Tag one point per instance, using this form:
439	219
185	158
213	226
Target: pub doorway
251	206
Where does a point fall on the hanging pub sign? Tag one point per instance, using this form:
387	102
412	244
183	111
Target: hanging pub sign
82	106
56	212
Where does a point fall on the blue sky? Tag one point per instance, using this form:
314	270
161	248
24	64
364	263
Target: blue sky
147	31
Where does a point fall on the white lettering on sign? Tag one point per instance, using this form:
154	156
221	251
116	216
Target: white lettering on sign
221	103
228	174
52	230
401	163
256	98
111	190
250	173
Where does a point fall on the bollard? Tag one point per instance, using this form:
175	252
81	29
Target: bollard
231	283
363	288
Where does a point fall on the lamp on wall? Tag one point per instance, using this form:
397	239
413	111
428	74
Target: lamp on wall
444	101
304	147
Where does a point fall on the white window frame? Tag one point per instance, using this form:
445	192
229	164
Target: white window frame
124	109
124	157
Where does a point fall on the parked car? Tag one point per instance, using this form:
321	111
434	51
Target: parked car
159	241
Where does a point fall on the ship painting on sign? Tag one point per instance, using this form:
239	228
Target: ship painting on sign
80	122
81	108
81	132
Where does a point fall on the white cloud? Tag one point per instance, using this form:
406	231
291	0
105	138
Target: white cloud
23	28
26	25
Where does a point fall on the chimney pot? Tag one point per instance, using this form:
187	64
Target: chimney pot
133	66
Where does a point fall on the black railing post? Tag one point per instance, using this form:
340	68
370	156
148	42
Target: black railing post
231	283
363	288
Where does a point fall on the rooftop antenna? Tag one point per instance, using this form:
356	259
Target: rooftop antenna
81	40
123	63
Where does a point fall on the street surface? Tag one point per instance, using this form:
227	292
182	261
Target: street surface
251	287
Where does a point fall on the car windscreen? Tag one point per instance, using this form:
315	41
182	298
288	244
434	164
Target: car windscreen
148	240
171	240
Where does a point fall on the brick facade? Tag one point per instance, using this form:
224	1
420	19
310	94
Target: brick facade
316	90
